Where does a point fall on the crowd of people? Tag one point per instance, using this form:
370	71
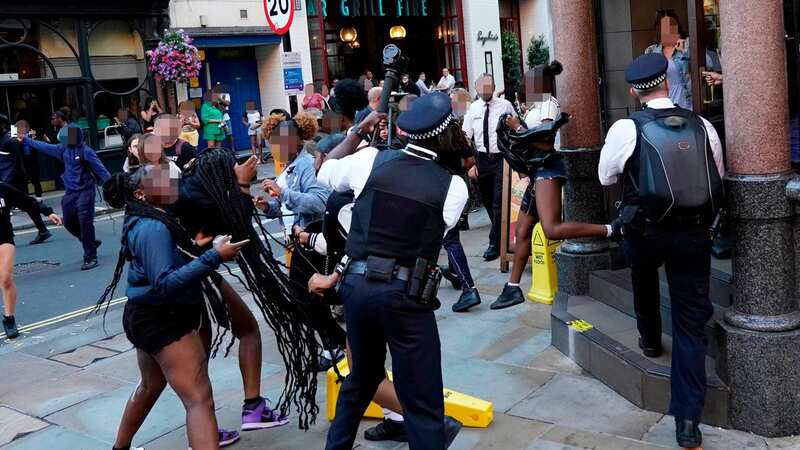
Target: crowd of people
366	217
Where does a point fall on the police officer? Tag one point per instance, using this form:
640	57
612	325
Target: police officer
12	172
82	170
405	203
666	222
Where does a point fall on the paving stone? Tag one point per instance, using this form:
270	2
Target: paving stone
527	350
784	443
552	360
226	380
663	433
586	404
83	356
505	432
77	335
122	367
500	384
14	425
118	343
564	438
99	416
59	436
46	397
465	337
34	369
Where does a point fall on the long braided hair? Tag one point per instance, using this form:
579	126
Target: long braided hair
267	281
118	192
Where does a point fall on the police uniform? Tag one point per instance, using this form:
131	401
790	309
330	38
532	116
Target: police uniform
680	241
405	202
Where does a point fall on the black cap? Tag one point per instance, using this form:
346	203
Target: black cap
428	116
647	71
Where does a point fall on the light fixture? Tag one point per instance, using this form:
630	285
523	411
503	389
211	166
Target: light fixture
348	34
354	44
439	33
397	32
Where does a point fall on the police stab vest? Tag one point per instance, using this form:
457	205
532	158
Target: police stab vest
672	173
398	215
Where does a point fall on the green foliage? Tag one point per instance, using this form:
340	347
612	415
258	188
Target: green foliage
512	55
538	52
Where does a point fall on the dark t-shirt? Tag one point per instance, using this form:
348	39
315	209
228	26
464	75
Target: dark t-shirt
181	152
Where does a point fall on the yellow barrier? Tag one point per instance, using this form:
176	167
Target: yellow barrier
470	411
544	282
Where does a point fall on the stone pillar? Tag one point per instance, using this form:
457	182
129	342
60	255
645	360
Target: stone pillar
760	335
578	92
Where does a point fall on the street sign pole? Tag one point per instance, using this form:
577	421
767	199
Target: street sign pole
280	15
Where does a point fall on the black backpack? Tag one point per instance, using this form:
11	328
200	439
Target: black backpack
677	175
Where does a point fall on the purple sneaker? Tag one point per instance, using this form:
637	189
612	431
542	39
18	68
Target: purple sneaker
261	417
226	437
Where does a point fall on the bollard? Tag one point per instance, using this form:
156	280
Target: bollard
544	277
470	411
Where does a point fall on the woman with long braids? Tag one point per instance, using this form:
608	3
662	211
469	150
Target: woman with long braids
165	309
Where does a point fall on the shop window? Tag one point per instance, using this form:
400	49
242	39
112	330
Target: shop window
452	36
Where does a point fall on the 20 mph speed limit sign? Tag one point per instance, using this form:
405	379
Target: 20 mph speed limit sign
280	14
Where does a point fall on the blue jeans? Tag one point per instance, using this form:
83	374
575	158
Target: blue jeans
456	258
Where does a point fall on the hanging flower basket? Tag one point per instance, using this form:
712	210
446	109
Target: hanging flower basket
175	58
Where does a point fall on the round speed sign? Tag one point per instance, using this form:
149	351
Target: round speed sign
280	14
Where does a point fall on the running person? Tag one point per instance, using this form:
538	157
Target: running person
166	307
13	198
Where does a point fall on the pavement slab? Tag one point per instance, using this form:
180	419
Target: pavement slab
587	404
118	343
21	369
14	424
784	443
552	360
505	432
56	437
83	356
122	367
99	416
45	397
565	438
714	438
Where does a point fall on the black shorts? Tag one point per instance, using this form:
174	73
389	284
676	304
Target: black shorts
152	327
6	229
528	205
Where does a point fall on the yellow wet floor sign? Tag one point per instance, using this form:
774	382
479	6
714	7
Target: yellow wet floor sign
544	282
470	411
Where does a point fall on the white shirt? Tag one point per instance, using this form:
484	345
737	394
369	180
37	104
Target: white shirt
473	121
446	83
352	172
538	112
621	142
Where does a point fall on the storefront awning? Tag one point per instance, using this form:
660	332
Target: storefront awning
215	37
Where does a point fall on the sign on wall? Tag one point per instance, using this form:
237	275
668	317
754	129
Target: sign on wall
292	73
280	14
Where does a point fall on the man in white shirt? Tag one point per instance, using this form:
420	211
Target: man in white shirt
667	229
447	82
423	88
480	125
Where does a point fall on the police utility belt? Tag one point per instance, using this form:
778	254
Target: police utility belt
422	280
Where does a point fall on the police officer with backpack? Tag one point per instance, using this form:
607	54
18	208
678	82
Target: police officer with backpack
670	163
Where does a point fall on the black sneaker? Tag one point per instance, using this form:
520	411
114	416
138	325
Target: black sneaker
687	433
491	253
451	429
448	275
10	327
468	299
89	264
511	295
388	430
41	237
651	351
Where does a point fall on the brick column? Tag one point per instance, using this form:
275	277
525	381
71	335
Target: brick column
578	92
760	340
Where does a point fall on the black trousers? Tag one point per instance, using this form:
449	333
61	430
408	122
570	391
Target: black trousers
379	313
490	183
687	261
31	163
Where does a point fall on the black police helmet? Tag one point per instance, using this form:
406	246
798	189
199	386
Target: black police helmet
517	147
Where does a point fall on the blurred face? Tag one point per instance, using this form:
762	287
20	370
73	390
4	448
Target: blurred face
669	31
72	136
537	88
187	109
23	128
133	147
405	79
159	186
251	105
422	76
285	142
325	91
154	108
332	121
168	129
445	72
369	75
485	88
152	151
122	115
56	121
309	89
460	101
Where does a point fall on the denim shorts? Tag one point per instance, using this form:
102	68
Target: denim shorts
554	170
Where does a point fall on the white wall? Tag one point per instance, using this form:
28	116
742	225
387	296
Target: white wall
482	15
186	13
270	78
535	20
